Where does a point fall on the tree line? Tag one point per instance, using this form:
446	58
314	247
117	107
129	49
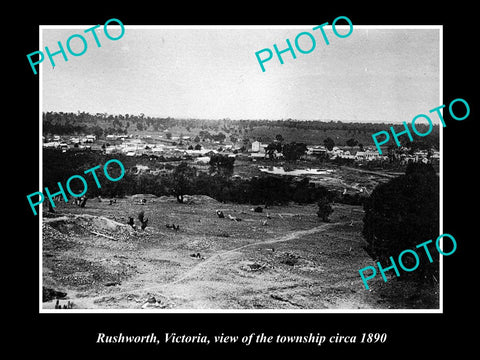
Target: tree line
226	125
184	179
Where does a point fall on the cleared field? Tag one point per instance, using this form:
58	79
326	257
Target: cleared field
282	258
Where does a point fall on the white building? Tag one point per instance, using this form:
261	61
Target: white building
111	149
51	144
368	155
202	160
347	155
317	150
90	138
257	146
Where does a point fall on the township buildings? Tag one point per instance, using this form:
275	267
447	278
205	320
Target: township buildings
178	148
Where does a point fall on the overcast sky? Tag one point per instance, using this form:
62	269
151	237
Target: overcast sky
373	75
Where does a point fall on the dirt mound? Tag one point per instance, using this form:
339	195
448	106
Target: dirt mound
54	240
252	266
199	199
89	224
143	196
65	226
135	301
49	294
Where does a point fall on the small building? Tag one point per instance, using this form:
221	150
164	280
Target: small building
111	149
317	150
336	152
257	146
347	155
90	138
368	155
202	160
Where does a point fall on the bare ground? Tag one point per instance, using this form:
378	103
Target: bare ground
283	258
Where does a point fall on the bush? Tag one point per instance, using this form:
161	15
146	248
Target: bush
324	209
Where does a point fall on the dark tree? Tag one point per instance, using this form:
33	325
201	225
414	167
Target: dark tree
401	214
97	131
221	165
352	142
270	151
303	192
269	190
143	220
294	151
329	143
233	139
183	178
219	137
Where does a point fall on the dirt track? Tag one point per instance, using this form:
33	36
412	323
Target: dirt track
201	268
